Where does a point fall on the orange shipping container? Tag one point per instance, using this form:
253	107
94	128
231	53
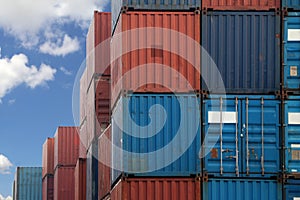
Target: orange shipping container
104	157
157	189
99	31
80	179
48	157
48	187
64	184
241	4
170	46
66	146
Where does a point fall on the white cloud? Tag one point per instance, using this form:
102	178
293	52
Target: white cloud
11	101
65	71
5	165
16	71
7	198
27	19
60	47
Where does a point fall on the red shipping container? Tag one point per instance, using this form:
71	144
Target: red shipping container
98	108
80	179
102	106
98	56
82	93
157	189
104	157
48	187
178	53
241	4
64	183
83	140
66	146
48	157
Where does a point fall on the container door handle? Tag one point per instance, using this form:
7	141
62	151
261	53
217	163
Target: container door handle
262	137
236	139
221	136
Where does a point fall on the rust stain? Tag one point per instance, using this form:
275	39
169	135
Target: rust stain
214	153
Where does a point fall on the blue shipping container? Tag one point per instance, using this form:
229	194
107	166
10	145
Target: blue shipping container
92	172
237	189
292	51
241	136
117	5
28	183
245	46
160	137
292	189
291	4
292	134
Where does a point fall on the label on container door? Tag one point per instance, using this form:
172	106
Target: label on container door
296	198
227	117
293	34
294	118
293	71
295	154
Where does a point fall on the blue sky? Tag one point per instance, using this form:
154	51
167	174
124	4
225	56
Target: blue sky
42	46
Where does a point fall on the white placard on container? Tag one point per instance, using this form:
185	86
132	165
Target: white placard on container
227	117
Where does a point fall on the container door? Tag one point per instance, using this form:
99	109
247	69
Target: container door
292	135
292	52
222	142
260	136
292	191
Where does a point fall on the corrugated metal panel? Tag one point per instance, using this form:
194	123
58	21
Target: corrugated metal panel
245	46
292	134
99	31
102	104
83	140
92	172
66	146
80	179
250	136
292	191
64	183
48	187
90	112
155	5
104	158
98	104
48	157
236	189
157	189
83	90
291	4
28	183
144	133
241	5
157	48
291	55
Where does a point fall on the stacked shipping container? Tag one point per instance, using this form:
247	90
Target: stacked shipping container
64	172
48	169
242	133
95	96
66	153
291	98
154	132
28	183
241	130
